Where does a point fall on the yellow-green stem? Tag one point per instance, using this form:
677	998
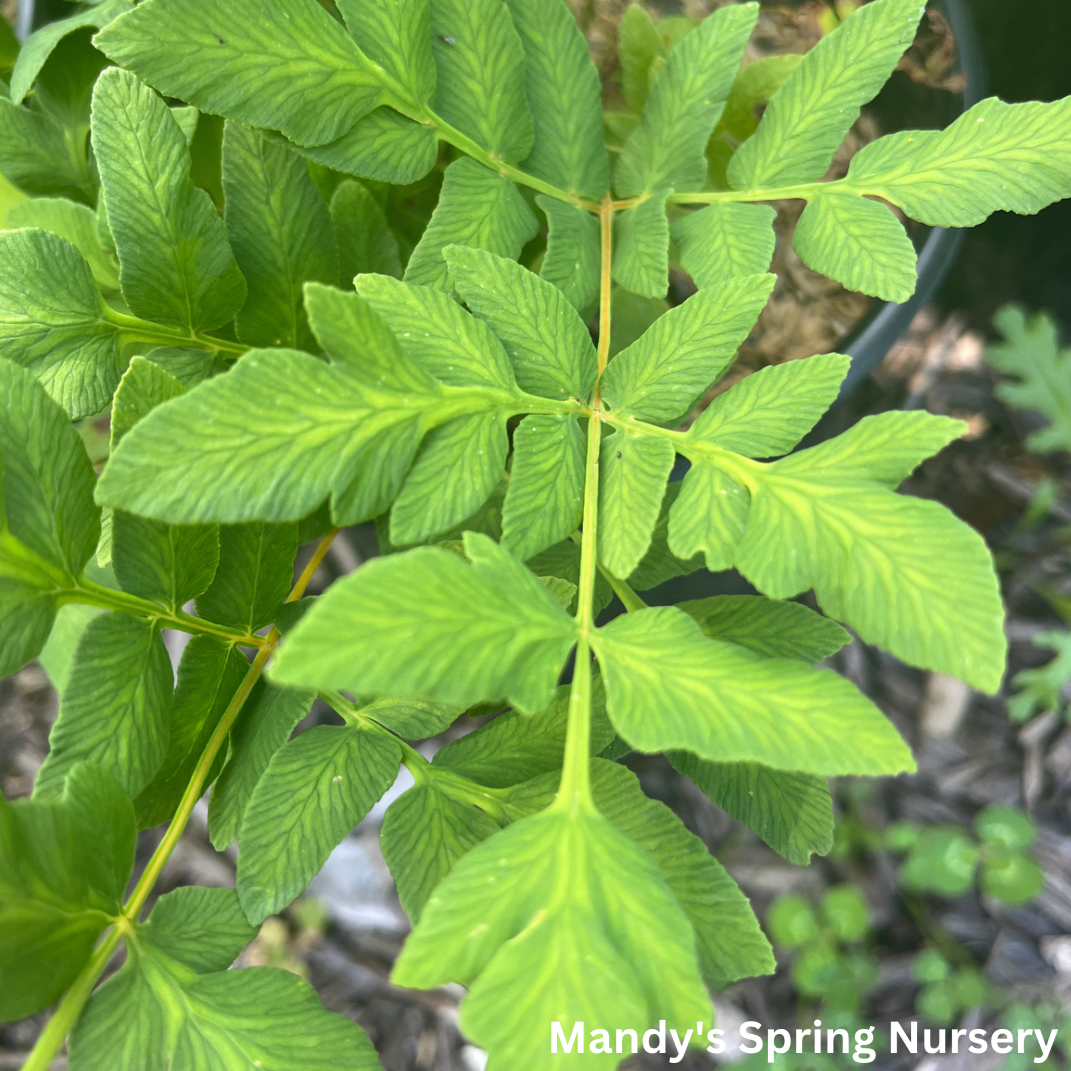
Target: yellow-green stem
92	594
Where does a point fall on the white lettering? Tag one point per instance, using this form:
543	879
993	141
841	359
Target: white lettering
632	1038
601	1038
660	1033
575	1038
864	1038
681	1045
1001	1041
978	1039
1045	1046
716	1046
748	1031
910	1044
772	1038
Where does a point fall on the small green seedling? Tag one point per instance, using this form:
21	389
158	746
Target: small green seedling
948	861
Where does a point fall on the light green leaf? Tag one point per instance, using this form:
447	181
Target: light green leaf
640	45
365	240
396	34
52	321
518	921
57	656
36	157
754	85
204	929
668	686
573	252
208	676
1042	374
76	223
633	470
425	832
565	97
412	717
280	230
384	146
659	564
157	1012
662	375
265	723
115	711
39	45
545	496
476	208
709	516
641	247
729	943
686	100
315	790
187	119
810	115
166	563
427	622
994	157
768	626
64	865
256	571
516	747
437	335
904	573
858	243
551	349
175	264
481	75
457	468
27	615
724	241
244	58
767	413
791	812
47	478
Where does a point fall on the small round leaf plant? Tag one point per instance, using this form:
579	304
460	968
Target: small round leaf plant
283	357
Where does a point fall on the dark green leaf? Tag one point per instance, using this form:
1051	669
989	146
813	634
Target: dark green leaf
768	626
315	790
265	723
204	929
280	230
641	247
792	812
545	496
516	747
244	58
563	561
425	832
115	711
174	261
256	571
573	252
396	34
481	75
365	240
457	468
384	146
565	98
633	470
64	865
52	321
36	156
208	676
47	478
412	717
